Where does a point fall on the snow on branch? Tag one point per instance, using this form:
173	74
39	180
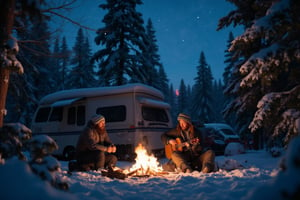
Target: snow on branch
260	64
282	107
289	124
8	56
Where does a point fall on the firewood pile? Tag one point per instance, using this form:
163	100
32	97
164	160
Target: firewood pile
122	174
146	165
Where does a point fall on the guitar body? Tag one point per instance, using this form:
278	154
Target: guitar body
177	147
170	148
168	151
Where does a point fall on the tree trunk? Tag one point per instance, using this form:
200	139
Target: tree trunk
7	8
4	80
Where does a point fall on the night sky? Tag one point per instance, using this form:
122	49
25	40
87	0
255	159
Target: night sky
183	29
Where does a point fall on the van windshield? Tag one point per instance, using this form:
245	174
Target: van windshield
154	114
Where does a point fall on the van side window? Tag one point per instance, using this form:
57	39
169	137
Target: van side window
42	114
76	115
113	113
72	115
80	115
56	114
154	114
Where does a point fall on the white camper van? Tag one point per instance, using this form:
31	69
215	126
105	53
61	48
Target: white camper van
134	113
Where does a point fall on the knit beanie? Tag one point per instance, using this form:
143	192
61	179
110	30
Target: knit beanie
184	117
97	118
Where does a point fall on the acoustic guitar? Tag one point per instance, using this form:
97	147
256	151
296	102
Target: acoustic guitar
169	148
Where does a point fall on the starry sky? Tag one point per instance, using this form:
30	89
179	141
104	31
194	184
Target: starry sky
183	28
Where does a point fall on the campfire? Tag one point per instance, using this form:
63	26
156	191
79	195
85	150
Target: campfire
145	164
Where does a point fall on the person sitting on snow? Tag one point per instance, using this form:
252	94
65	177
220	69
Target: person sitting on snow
192	156
94	148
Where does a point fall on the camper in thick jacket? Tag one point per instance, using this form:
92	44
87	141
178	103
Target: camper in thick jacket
94	147
186	148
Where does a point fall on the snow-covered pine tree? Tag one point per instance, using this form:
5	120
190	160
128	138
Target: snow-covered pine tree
81	74
189	97
56	63
155	74
163	82
34	56
41	59
20	92
202	93
218	100
269	85
230	77
9	19
64	63
182	98
171	100
43	163
229	61
122	42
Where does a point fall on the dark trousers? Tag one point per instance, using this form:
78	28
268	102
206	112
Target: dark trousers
186	159
93	160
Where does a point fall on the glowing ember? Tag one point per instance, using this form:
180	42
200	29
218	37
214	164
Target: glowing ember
145	164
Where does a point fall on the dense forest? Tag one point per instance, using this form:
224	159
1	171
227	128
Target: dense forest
258	96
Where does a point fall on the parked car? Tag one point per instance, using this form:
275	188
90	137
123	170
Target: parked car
217	135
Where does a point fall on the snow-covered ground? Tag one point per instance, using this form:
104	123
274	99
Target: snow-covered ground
252	170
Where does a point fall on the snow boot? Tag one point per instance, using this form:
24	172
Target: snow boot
73	166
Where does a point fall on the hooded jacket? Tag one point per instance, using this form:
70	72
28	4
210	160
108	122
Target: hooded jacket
91	139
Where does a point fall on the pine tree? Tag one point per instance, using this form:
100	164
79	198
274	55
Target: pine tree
26	90
171	101
189	97
163	82
81	75
56	63
265	96
41	59
218	100
64	55
20	93
231	78
202	96
122	41
9	48
155	73
229	61
182	98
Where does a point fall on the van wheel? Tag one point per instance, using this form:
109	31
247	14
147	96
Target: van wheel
69	153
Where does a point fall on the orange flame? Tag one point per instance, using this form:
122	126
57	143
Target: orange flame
145	163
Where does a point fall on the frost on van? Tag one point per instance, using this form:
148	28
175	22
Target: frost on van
99	91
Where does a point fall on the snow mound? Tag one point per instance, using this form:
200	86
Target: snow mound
234	148
287	183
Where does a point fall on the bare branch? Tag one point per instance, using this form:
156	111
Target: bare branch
63	6
72	21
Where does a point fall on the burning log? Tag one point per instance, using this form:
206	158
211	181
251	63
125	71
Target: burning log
114	174
145	166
